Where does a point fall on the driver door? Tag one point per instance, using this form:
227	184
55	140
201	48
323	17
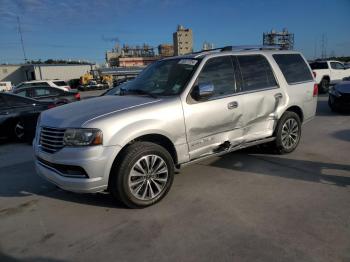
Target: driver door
213	122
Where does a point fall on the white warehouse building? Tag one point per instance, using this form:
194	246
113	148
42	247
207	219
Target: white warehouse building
20	73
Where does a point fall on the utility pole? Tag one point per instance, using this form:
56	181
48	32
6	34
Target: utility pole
324	46
20	34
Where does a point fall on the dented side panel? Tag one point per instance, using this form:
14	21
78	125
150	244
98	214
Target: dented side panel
261	115
211	123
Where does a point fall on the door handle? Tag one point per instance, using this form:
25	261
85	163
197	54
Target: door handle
278	96
232	105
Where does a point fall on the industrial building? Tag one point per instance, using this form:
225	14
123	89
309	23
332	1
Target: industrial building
28	72
183	41
283	39
130	56
166	50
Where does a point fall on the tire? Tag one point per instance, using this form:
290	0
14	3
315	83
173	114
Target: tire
133	182
288	133
324	85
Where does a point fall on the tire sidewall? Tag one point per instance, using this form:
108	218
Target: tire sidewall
124	170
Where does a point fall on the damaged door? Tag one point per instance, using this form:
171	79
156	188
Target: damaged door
213	123
262	96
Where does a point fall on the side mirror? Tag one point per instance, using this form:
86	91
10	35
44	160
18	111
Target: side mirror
203	91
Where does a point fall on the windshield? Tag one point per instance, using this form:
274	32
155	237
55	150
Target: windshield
164	78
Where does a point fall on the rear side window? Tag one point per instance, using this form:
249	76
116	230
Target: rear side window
41	91
256	72
319	65
293	68
336	65
60	83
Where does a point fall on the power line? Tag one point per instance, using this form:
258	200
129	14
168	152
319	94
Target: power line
20	34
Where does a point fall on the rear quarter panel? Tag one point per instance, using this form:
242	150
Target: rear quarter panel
298	94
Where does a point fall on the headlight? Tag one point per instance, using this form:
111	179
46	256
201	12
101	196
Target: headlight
82	137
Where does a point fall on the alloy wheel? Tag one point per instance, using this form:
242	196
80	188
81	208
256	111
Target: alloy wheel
148	177
290	133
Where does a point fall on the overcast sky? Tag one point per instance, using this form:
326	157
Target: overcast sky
78	29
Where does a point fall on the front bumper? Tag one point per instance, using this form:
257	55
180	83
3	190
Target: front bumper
96	161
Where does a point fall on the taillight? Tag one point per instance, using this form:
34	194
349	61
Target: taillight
315	90
77	96
314	73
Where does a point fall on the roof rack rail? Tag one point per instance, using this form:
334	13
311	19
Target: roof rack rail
239	48
251	47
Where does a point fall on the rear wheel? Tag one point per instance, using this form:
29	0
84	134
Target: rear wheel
143	175
324	85
288	133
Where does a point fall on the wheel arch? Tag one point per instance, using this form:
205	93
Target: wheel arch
296	109
156	138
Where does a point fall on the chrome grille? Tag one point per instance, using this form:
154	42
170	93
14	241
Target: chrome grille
51	139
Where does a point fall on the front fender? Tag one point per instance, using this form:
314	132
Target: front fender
141	128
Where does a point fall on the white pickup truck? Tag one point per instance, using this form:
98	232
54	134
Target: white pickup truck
328	73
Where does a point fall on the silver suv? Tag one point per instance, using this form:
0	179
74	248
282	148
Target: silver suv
177	111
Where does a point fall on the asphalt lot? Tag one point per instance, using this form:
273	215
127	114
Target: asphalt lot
245	206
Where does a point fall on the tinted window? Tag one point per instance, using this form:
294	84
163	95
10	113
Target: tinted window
60	83
319	65
16	100
55	91
293	67
219	72
335	65
22	93
41	91
256	72
2	103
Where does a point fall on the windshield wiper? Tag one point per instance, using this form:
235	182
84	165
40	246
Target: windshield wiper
138	91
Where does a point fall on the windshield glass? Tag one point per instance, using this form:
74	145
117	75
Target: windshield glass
164	78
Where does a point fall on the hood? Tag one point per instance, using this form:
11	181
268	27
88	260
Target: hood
77	113
343	87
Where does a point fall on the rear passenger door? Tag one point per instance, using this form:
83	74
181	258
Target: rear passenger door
261	96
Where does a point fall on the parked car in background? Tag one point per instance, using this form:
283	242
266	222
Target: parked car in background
178	111
5	86
327	73
61	84
48	93
339	97
18	116
93	85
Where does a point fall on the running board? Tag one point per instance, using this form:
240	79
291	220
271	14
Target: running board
229	150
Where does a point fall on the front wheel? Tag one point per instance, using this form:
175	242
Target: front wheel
288	133
143	176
